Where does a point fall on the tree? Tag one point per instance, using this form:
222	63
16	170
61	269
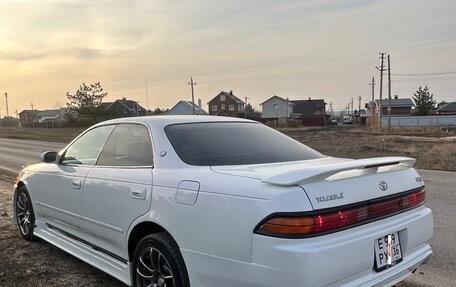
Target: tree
84	107
424	102
159	111
249	109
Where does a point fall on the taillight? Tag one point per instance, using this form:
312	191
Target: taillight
318	223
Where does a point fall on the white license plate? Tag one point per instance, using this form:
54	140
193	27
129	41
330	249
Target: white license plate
381	251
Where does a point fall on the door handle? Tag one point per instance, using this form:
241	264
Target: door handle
76	184
138	193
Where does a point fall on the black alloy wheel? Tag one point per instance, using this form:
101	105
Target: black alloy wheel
158	263
24	214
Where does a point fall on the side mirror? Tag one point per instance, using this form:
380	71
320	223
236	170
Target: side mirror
49	157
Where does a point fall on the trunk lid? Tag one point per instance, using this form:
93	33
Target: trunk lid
331	182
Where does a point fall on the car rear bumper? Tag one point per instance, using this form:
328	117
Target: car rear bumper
344	258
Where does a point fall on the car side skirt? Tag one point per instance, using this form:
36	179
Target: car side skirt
85	252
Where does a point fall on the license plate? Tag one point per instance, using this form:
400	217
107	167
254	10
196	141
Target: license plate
381	251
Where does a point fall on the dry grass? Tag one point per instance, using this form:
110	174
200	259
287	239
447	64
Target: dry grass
63	135
433	148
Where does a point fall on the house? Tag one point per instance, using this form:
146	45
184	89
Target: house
226	104
309	108
27	117
399	107
125	108
186	108
277	107
446	109
307	112
9	121
53	116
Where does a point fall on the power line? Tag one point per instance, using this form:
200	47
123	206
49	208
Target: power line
428	74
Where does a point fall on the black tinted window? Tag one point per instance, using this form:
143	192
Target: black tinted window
234	143
128	145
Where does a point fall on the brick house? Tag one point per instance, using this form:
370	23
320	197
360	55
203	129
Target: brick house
226	104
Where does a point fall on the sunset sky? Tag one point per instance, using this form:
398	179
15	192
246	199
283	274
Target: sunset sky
296	49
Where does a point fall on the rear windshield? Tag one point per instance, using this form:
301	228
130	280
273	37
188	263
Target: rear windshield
234	143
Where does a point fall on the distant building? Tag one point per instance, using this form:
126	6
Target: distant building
399	107
446	109
9	121
27	117
125	108
308	108
226	104
186	108
307	112
277	107
51	116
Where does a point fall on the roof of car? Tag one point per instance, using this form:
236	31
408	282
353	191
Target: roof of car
165	120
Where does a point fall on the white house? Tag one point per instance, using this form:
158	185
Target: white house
51	115
277	107
186	108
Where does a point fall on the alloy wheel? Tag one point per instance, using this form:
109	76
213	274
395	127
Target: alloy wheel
153	269
24	213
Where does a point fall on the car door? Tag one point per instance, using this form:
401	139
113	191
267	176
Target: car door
58	190
118	188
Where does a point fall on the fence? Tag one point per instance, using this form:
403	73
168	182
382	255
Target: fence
420	121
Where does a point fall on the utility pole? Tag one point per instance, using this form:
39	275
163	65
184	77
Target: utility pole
381	69
17	117
193	95
147	98
359	110
245	108
389	93
33	116
352	107
372	84
7	111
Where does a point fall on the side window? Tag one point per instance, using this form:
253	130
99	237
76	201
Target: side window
85	150
128	145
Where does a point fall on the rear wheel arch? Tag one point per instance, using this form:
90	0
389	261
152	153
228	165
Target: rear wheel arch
140	231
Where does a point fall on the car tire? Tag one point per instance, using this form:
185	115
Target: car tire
158	262
24	213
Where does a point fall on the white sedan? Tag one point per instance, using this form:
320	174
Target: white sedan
222	202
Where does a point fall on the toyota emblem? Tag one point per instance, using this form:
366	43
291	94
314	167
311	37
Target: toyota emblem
383	185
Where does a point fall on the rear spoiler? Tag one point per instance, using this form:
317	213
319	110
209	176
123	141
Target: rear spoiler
319	173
